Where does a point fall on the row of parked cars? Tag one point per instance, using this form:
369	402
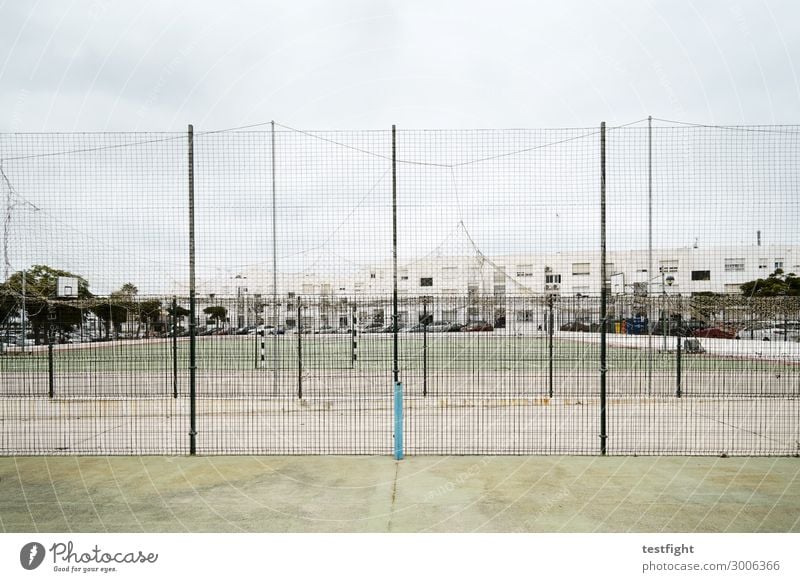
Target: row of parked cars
775	331
433	327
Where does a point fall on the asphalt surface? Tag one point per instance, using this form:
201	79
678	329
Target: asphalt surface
417	494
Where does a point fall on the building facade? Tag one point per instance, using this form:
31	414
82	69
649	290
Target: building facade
511	288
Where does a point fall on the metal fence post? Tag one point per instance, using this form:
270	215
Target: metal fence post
398	421
678	379
550	346
398	386
174	323
353	340
192	306
51	380
299	350
649	252
603	291
275	305
425	349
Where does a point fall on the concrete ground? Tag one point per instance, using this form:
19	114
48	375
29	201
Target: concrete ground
418	494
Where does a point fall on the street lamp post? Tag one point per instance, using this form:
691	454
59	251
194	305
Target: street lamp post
665	282
240	316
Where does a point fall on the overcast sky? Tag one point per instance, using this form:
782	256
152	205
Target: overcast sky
117	214
157	65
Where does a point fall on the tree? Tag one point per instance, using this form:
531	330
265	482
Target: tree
179	312
775	297
113	311
150	313
216	313
41	304
777	284
9	304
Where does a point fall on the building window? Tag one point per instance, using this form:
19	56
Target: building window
552	279
524	270
668	266
525	316
701	275
580	268
734	265
762	263
426	282
779	263
372	275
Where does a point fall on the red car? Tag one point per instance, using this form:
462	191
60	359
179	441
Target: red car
715	332
478	326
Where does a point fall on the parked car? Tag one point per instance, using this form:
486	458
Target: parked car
281	331
673	328
778	332
390	328
577	326
716	332
440	326
417	328
372	328
326	329
269	330
478	326
14	341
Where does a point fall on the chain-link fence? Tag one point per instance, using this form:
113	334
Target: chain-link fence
625	290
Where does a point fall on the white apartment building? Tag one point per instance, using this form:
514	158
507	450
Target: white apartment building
462	289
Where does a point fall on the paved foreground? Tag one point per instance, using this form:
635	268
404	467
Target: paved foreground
377	494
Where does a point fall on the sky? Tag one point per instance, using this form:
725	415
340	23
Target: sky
95	65
115	213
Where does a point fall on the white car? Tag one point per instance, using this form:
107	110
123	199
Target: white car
15	342
779	332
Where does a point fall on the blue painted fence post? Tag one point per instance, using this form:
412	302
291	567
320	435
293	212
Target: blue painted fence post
398	420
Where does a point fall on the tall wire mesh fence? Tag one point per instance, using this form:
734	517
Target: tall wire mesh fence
322	267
